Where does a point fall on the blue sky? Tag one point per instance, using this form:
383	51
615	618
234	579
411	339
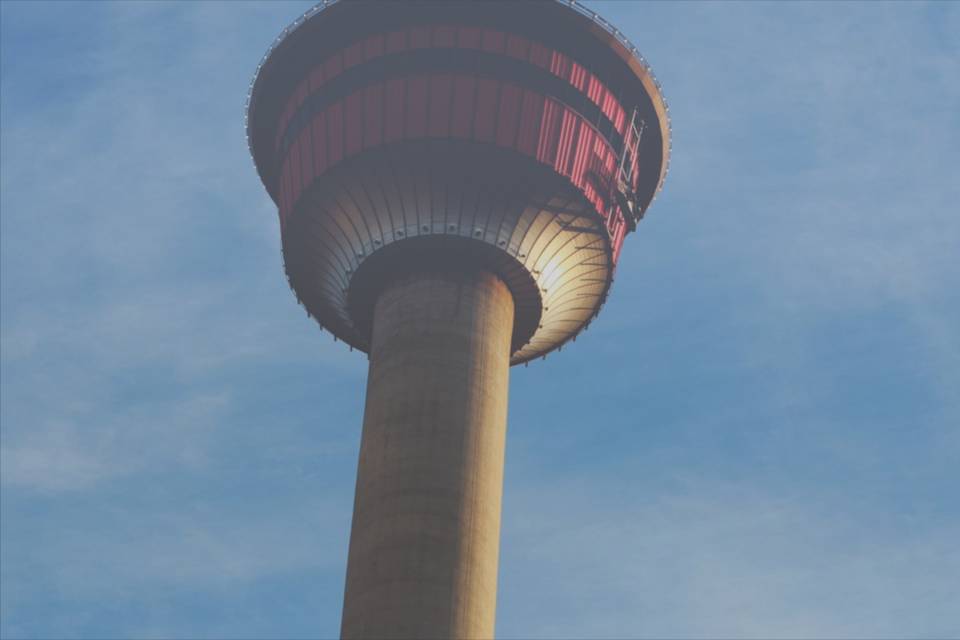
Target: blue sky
759	437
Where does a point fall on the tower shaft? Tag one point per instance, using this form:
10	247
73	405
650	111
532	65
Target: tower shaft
424	542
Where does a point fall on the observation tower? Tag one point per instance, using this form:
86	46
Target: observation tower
455	180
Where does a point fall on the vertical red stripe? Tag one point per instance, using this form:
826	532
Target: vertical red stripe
295	183
493	41
594	88
549	132
288	181
469	37
508	117
373	115
396	41
486	109
302	89
373	46
464	90
419	37
416	106
530	117
393	130
517	47
441	95
609	106
539	55
332	66
316	78
560	65
584	149
334	133
353	55
444	36
306	156
320	143
568	123
578	76
284	189
284	120
353	114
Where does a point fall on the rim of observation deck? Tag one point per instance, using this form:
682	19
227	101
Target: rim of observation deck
593	16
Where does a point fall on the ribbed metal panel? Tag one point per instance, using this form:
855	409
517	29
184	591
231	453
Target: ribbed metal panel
532	221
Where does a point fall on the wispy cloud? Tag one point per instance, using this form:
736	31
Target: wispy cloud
709	560
757	439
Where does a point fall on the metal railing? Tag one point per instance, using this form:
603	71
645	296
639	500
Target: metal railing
594	17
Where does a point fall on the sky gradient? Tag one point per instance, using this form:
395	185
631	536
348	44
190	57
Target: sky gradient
759	436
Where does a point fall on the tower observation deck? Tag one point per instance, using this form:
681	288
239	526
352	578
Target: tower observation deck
455	180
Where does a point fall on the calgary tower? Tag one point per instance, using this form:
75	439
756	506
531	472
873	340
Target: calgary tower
455	181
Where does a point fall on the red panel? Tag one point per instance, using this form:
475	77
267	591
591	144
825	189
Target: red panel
441	95
486	109
517	47
284	120
306	153
320	143
560	65
578	77
332	66
595	89
284	190
373	115
353	114
416	106
620	121
461	106
288	182
609	106
590	191
444	36
508	117
334	133
295	171
539	55
353	55
568	127
302	89
493	40
464	92
419	37
583	150
466	37
393	129
373	46
530	116
610	163
549	131
469	37
396	41
316	78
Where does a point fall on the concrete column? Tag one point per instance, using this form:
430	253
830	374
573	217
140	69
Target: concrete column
425	538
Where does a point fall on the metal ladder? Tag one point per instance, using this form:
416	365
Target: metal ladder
624	195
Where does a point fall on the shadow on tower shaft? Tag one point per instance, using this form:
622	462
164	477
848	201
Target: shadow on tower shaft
426	520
